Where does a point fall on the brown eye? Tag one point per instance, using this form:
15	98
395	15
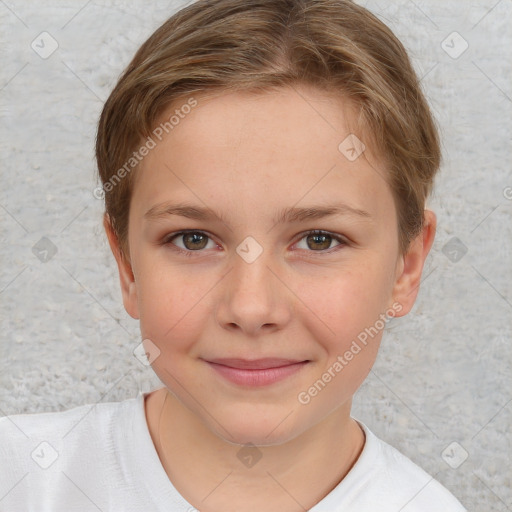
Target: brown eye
319	241
195	241
190	240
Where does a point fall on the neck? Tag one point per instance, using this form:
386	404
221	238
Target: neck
213	474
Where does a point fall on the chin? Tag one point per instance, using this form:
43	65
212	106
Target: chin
257	428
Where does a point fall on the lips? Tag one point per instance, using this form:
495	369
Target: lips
256	372
255	364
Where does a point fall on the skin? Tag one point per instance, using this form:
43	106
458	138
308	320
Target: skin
247	156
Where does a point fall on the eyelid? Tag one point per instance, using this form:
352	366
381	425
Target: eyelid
170	236
339	238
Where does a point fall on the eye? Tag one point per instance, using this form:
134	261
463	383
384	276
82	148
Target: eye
320	241
195	241
192	241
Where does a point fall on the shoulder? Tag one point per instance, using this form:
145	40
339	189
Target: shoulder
20	432
386	480
43	453
405	482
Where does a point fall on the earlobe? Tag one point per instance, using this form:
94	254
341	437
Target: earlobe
126	276
410	266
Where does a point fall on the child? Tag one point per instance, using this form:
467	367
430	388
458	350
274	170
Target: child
265	167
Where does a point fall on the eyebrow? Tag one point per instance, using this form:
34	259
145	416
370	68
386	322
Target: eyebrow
287	215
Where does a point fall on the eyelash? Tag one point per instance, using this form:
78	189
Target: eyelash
168	240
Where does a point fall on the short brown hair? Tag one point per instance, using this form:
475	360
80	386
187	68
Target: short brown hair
260	45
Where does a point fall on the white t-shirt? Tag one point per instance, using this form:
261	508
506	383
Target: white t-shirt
100	457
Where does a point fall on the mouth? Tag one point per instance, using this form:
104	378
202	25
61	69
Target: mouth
256	372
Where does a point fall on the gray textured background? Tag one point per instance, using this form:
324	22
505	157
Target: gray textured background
444	372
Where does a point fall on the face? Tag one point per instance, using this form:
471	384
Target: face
256	312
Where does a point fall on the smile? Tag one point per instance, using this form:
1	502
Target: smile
256	373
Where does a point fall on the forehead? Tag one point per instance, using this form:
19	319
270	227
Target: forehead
276	147
283	116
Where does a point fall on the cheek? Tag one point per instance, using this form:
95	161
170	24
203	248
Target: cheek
346	325
348	301
170	306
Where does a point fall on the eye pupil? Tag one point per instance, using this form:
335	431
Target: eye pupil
194	237
322	239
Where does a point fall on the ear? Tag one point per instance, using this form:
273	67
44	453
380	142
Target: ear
410	265
126	277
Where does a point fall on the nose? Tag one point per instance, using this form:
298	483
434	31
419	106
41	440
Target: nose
253	298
